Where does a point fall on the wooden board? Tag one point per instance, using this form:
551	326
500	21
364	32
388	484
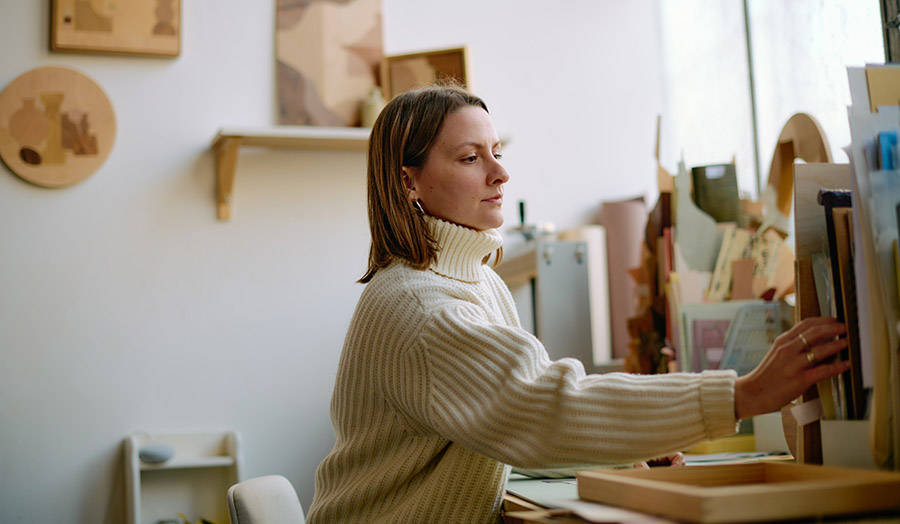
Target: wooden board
809	219
138	27
57	126
802	137
743	492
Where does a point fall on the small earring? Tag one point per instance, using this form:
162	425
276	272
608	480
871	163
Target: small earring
418	205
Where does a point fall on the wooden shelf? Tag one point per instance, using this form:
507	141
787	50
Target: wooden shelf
198	462
228	141
519	267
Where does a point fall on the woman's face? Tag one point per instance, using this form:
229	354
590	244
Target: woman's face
462	179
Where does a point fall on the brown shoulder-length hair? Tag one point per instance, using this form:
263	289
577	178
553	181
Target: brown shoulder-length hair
401	137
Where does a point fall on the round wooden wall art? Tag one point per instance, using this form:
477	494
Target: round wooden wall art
56	126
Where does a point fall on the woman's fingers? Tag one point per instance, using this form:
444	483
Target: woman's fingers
797	360
823	332
810	333
673	460
828	369
825	350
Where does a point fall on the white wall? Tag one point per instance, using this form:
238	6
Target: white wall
125	305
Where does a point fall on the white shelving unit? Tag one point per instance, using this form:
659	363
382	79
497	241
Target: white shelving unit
193	482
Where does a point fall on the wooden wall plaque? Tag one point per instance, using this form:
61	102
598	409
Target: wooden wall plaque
134	27
57	126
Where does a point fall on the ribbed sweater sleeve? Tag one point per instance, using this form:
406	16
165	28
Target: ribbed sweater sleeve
493	389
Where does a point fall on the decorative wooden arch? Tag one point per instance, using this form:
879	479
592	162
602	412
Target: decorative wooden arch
802	137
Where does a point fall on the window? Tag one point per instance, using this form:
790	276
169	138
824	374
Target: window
800	52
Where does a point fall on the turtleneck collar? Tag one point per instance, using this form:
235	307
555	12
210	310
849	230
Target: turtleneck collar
462	249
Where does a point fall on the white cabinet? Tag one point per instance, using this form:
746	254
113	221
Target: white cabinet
561	292
193	482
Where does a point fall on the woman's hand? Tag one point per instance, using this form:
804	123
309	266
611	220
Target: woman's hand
674	460
797	359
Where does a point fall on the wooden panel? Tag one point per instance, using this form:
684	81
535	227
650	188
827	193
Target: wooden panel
518	269
140	27
809	217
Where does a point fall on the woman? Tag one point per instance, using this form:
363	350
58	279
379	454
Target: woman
439	389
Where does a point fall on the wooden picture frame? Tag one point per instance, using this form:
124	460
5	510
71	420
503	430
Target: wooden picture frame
401	73
130	27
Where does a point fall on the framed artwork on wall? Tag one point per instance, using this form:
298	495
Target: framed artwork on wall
400	73
132	27
328	56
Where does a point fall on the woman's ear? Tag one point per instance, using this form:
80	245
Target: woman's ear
409	182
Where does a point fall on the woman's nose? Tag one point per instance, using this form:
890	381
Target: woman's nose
498	174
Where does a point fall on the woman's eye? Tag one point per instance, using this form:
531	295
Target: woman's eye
470	159
498	155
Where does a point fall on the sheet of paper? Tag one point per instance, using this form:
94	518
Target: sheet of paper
732	457
563	494
697	236
594	512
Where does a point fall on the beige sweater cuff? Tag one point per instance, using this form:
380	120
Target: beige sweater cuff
717	398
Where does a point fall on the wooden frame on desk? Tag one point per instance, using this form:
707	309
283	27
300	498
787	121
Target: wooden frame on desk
752	492
519	511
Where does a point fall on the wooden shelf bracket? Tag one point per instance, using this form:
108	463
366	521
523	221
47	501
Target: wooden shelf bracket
228	142
226	163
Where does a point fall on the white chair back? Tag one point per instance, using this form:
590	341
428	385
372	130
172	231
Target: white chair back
265	500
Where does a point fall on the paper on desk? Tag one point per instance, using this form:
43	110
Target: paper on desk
734	457
594	512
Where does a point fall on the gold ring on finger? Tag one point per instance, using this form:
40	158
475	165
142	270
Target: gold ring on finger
810	356
805	342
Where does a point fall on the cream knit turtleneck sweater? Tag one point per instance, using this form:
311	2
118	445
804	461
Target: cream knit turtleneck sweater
439	388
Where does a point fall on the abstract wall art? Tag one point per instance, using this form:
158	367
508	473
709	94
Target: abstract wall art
136	27
328	55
